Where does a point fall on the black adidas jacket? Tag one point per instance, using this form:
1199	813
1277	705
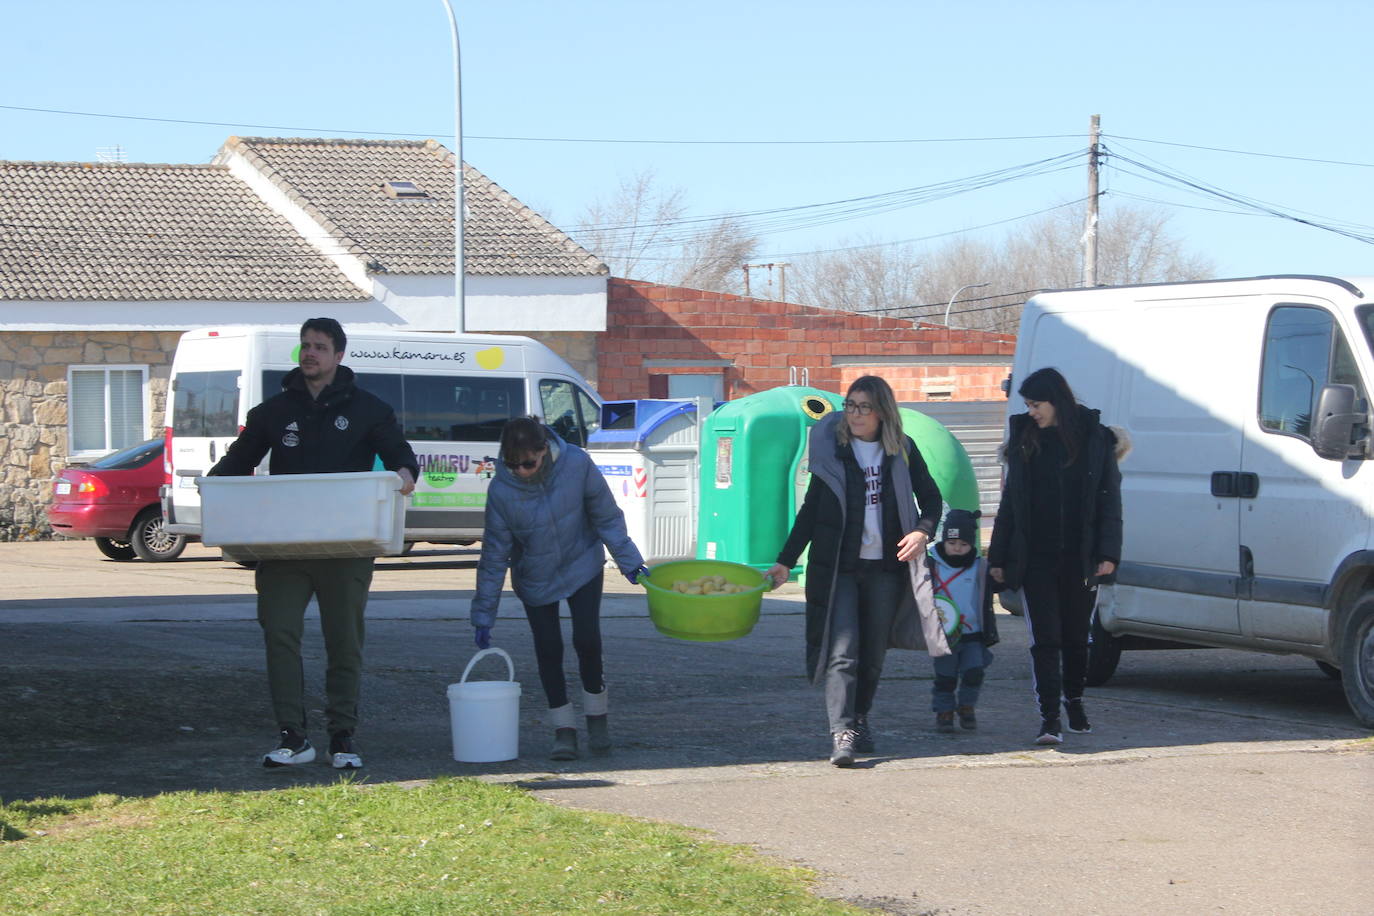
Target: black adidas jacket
344	430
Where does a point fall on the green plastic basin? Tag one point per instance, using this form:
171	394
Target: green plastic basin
704	618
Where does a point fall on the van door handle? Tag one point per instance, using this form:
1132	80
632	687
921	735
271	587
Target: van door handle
1247	484
1225	484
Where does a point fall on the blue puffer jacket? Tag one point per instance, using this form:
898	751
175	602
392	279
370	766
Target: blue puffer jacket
549	532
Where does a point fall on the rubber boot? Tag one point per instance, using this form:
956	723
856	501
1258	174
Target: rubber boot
595	705
564	734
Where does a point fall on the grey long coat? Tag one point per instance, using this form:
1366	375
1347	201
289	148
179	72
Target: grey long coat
549	532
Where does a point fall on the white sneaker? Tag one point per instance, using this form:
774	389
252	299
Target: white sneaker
293	749
342	754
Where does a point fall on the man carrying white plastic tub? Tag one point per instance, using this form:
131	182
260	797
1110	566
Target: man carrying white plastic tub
320	423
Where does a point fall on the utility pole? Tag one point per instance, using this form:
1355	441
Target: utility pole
782	277
1090	222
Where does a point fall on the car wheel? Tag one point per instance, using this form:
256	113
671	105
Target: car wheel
115	550
1357	660
1330	670
1104	653
151	540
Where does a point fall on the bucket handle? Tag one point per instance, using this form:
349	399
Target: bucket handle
510	666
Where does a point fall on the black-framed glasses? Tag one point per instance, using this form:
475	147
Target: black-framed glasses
529	464
862	410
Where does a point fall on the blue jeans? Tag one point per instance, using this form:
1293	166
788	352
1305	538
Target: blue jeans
962	669
861	615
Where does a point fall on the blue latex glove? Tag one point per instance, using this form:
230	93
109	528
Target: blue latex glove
635	575
483	637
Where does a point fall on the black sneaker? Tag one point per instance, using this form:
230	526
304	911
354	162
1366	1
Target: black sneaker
292	749
1050	732
1078	717
843	753
944	722
863	736
342	754
967	717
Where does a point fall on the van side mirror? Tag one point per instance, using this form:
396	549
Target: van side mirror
1335	422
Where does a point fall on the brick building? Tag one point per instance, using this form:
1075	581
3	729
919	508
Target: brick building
667	341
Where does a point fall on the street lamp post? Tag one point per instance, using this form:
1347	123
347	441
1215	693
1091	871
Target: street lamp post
956	296
461	317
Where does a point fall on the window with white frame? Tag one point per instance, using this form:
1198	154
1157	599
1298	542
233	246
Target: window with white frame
107	408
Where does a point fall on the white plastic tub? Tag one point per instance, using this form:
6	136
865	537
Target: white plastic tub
304	516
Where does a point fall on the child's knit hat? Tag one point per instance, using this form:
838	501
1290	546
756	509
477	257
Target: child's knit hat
962	525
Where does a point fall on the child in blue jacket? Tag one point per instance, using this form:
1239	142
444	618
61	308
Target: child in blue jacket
962	592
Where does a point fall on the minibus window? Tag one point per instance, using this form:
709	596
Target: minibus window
1303	351
385	386
206	404
559	400
450	408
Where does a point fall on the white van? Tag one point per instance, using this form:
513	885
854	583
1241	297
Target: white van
451	393
1248	495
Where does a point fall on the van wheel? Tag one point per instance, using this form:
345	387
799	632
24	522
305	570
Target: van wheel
151	540
1104	654
115	550
1330	670
1357	660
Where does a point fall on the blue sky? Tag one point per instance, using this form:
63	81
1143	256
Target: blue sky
1280	78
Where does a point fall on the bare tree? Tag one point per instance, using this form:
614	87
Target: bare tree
643	232
1134	246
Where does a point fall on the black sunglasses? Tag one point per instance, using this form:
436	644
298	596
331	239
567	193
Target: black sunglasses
529	465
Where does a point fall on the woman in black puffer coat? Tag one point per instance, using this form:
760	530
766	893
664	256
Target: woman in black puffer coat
1057	536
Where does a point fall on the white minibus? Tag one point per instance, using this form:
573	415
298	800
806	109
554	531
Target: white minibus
451	392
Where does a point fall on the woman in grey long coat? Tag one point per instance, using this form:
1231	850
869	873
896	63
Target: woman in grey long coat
549	519
863	527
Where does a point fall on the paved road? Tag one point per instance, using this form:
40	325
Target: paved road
1215	781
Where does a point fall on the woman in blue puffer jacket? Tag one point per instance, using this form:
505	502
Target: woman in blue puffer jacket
549	519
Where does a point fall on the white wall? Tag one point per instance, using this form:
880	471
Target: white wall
517	304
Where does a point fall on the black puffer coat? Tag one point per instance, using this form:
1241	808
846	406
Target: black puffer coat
1100	502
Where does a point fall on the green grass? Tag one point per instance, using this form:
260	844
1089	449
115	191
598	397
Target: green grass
451	846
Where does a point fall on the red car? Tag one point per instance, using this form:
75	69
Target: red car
115	500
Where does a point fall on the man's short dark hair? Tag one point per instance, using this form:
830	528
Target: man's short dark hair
327	326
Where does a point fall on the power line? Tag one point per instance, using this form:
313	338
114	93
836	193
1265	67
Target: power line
628	140
1243	152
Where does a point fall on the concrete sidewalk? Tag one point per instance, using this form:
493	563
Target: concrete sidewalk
1214	780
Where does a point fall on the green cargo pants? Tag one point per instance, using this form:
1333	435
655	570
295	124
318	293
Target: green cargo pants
285	588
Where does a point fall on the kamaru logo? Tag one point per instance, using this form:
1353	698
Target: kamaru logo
440	472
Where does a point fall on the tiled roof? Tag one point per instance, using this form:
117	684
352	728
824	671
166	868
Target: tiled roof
113	231
342	183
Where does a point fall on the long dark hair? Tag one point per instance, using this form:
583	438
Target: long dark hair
1049	385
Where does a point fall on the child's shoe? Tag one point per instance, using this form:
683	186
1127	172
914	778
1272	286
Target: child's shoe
863	735
967	718
944	722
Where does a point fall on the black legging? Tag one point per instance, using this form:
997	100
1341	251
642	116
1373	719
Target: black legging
584	606
1059	611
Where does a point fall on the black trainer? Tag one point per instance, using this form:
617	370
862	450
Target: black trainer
1051	732
1078	716
863	736
292	749
342	754
967	717
944	722
843	753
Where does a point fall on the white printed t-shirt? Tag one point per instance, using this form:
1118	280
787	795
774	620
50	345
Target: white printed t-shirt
870	455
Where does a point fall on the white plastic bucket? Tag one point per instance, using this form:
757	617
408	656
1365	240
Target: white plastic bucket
485	715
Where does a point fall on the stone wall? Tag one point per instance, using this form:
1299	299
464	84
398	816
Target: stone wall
33	410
